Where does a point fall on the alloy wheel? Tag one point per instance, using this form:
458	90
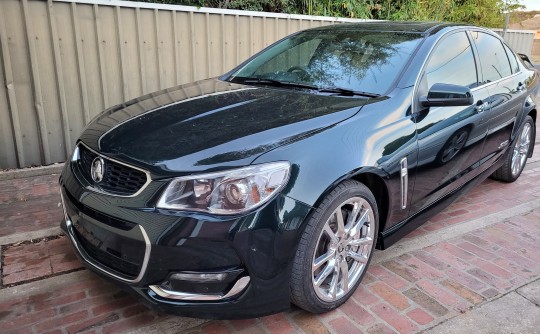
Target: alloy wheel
521	149
343	249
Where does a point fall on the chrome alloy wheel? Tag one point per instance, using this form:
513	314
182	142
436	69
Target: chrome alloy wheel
343	249
521	149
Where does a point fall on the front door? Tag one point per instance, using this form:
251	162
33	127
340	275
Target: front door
450	139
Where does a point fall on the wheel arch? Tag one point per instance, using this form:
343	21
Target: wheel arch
374	182
533	115
378	188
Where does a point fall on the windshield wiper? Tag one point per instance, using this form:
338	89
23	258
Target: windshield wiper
273	82
346	92
278	83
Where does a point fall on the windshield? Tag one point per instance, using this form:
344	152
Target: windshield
362	61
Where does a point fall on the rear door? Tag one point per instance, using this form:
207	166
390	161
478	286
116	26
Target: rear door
450	139
500	75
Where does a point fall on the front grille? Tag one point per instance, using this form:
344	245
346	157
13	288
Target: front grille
118	179
110	261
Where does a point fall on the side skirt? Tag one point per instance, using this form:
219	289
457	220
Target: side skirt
398	231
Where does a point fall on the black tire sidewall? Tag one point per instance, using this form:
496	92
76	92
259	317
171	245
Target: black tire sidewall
306	249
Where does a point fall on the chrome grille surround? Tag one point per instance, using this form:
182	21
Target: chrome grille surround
120	179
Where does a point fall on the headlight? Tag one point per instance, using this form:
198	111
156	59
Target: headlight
230	192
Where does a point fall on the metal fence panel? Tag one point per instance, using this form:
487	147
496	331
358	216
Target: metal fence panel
520	41
64	61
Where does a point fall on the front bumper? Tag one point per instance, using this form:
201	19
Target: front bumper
128	241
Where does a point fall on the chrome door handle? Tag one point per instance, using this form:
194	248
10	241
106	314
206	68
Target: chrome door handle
481	106
521	87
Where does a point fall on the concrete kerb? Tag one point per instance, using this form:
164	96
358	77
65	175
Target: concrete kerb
47	284
531	292
31	171
498	314
25	236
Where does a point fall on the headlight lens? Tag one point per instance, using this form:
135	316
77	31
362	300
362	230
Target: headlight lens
229	192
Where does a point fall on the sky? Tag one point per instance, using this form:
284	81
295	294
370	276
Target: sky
531	4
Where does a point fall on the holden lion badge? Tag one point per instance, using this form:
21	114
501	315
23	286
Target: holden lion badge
97	170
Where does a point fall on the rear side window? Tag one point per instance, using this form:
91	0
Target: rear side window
512	58
493	59
452	62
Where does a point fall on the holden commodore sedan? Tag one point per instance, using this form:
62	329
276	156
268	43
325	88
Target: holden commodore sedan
236	196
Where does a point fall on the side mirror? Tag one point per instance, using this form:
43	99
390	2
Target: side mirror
446	95
525	58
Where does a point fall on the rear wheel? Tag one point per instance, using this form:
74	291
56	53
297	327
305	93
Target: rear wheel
517	155
335	248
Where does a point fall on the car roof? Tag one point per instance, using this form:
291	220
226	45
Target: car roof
425	28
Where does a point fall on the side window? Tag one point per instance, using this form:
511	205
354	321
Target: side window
452	62
493	59
512	57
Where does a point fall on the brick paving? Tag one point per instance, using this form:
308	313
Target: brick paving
44	288
31	261
29	204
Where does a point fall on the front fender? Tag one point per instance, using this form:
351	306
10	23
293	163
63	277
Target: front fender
371	142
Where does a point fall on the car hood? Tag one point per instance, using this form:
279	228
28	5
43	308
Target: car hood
211	125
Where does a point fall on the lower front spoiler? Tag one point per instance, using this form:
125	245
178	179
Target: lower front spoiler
248	298
67	228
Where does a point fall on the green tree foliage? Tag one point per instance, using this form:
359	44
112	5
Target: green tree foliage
489	13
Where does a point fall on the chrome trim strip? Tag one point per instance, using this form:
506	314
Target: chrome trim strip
404	172
146	258
97	190
75	155
465	29
238	287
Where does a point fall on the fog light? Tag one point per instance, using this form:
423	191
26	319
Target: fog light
199	277
202	282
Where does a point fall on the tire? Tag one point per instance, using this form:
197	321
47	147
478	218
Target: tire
326	252
517	155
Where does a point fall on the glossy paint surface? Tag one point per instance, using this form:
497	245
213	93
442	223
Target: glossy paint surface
214	125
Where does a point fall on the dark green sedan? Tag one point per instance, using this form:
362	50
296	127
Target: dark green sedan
236	196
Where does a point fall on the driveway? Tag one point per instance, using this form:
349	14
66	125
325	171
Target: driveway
475	266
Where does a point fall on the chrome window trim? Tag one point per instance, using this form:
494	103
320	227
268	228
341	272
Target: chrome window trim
238	288
454	30
90	261
97	190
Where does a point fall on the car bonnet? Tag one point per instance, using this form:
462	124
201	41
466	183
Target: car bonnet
212	124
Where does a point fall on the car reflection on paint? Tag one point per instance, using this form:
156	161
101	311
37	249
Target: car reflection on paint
236	196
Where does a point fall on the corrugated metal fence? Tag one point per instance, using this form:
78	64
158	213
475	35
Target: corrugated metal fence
63	61
520	40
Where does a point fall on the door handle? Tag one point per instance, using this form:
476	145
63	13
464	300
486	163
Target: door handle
521	87
481	106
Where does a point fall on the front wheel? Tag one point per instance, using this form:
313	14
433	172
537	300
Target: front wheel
335	248
517	156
